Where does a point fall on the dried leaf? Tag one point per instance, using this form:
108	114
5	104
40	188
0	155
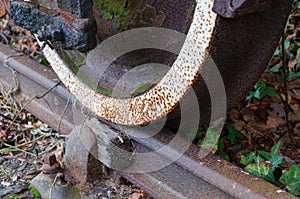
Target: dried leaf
3	135
274	122
4	7
278	109
293	62
135	196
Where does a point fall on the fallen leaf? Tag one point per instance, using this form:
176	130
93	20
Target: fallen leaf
274	122
14	178
294	116
134	196
278	109
239	125
11	190
4	7
293	62
6	184
3	135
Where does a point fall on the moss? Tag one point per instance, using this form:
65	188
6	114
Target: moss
124	13
75	59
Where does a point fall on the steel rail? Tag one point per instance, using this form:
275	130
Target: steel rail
189	177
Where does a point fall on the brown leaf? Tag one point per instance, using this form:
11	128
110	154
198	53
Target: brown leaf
278	109
295	116
135	196
25	140
274	122
239	125
4	7
3	135
293	62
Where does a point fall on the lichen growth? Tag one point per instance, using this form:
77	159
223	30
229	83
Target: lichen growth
124	13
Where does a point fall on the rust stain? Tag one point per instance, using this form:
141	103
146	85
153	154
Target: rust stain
163	97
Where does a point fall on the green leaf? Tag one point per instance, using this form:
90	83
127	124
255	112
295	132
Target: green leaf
264	155
293	75
291	179
261	171
277	52
275	148
234	134
270	177
13	196
258	170
34	191
211	140
258	159
260	84
275	69
276	161
221	152
245	160
194	134
260	91
270	91
250	96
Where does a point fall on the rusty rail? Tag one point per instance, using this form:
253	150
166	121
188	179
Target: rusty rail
189	176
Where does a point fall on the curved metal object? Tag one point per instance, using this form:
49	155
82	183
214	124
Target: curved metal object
240	47
162	98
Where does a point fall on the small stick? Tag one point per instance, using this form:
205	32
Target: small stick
285	101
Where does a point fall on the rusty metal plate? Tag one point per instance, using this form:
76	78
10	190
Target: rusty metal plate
238	8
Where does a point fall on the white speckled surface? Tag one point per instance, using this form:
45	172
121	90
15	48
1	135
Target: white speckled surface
162	98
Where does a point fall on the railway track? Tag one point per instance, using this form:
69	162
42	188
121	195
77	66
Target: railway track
188	177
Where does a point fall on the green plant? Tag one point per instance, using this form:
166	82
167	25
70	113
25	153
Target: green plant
41	59
291	53
291	179
260	91
211	140
234	135
220	152
13	196
35	192
264	164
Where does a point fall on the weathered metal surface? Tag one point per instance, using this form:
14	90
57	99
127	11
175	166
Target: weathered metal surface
217	178
114	149
163	97
173	181
238	8
65	29
44	184
36	79
242	48
214	170
79	165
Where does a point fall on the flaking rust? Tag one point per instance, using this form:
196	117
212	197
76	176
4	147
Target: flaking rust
162	98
